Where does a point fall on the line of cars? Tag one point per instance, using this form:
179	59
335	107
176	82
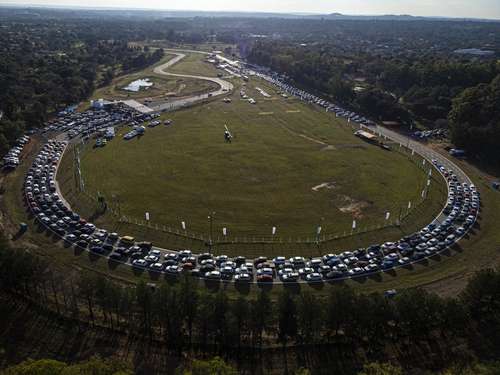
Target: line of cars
140	129
280	82
462	209
50	210
11	159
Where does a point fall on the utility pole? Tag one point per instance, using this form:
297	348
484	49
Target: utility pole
211	234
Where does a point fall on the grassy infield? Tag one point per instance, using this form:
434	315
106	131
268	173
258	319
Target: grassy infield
268	154
263	178
163	88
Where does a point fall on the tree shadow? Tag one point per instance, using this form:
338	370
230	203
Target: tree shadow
295	288
93	257
391	272
242	288
212	285
336	282
78	250
361	279
377	277
170	280
408	267
113	264
155	275
265	286
423	262
316	286
446	252
456	247
138	271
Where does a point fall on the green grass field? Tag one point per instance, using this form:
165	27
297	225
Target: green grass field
290	165
194	64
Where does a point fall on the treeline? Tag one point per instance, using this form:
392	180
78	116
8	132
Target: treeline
184	316
44	68
410	89
475	120
93	366
214	366
98	366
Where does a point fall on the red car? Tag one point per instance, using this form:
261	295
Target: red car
264	278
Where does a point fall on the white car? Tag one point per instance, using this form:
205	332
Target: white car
141	263
173	269
243	277
156	267
213	275
314	277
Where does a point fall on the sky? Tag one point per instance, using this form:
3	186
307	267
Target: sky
449	8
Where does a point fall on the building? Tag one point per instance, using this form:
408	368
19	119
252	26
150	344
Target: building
369	137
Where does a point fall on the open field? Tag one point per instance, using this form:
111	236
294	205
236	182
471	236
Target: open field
290	165
194	64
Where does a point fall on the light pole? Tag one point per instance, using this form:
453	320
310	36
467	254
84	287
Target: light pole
210	219
318	231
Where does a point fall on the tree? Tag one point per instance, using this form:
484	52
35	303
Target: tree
108	76
189	302
481	298
381	369
260	316
43	366
310	318
94	366
241	313
144	302
340	89
219	317
475	120
287	318
419	312
340	309
215	366
86	287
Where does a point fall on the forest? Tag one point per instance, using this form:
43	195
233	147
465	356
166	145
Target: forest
44	70
183	316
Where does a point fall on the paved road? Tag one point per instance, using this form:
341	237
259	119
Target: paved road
224	86
427	153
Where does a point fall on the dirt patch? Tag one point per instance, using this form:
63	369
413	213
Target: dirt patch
350	146
181	88
324	185
328	148
351	206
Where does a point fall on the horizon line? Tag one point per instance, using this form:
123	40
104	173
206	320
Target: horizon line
291	13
